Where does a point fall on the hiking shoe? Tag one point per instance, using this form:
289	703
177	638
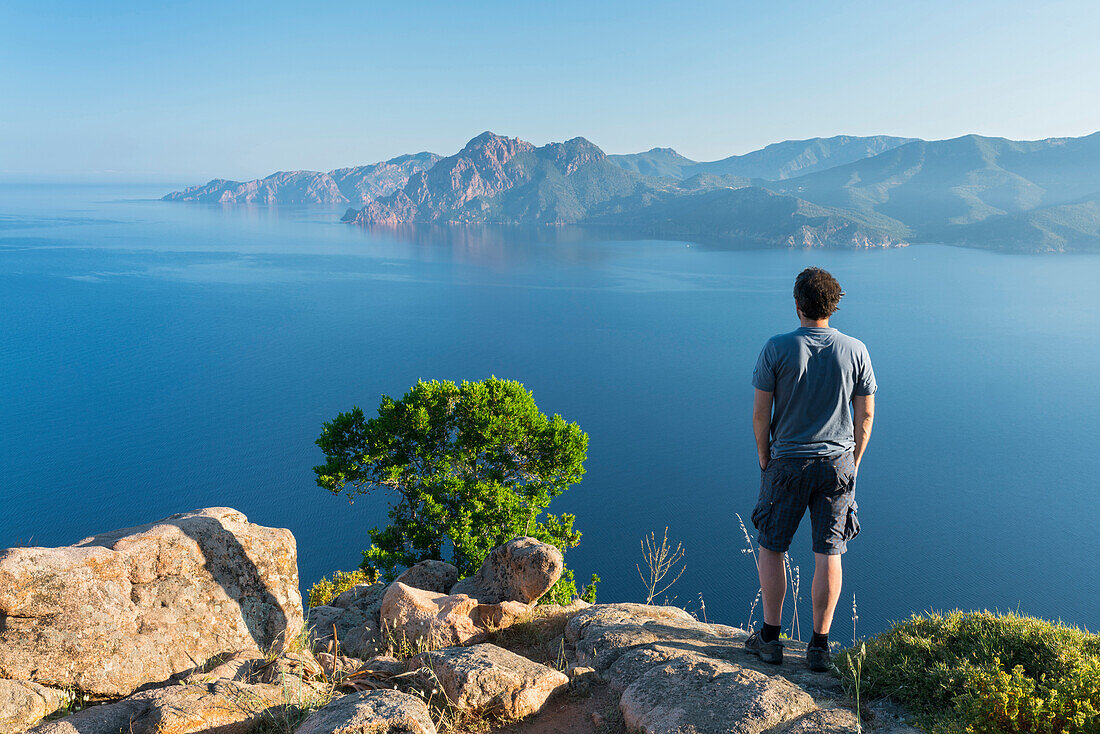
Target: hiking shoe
819	659
769	652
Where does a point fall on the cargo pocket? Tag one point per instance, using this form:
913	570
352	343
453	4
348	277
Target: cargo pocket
766	498
851	524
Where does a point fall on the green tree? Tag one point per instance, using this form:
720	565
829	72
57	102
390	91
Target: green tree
469	467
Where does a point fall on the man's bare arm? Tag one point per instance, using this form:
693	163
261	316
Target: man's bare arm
863	415
762	425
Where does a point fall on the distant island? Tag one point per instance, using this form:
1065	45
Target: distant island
844	191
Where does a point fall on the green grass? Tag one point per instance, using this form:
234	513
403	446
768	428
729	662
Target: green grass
986	673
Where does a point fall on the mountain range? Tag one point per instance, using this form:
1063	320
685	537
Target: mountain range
341	186
844	191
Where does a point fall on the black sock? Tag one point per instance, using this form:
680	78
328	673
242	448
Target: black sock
769	632
820	640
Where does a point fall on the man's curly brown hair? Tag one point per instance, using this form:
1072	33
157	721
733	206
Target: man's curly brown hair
817	293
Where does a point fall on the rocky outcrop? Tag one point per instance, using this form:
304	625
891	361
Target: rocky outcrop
188	611
501	179
677	674
350	625
123	609
483	169
371	712
437	576
521	570
23	703
425	618
487	679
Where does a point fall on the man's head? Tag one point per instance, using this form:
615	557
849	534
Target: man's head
817	294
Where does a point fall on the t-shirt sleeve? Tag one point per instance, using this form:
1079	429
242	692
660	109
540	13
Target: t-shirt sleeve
763	375
865	375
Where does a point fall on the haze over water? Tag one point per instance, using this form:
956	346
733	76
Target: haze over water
157	358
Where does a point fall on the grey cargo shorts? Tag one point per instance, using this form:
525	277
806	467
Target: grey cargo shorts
825	485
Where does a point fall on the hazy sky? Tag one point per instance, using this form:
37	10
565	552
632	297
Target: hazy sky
186	91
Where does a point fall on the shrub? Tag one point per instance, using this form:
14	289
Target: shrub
469	467
986	673
324	591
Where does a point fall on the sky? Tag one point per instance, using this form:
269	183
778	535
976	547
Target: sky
187	91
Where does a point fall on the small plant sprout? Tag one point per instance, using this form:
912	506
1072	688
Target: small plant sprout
855	667
752	610
749	548
660	560
793	577
855	618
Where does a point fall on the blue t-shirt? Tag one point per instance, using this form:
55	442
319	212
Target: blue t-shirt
813	372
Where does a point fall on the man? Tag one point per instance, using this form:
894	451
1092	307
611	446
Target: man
810	446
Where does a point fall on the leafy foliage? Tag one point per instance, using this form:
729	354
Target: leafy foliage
324	591
468	466
984	673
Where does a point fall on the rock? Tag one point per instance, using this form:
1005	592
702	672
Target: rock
522	570
240	666
23	703
337	666
430	620
825	721
634	663
223	706
226	707
603	632
358	596
437	576
340	666
351	625
371	712
697	695
110	718
291	670
135	606
488	679
581	680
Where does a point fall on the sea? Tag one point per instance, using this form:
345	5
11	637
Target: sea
159	357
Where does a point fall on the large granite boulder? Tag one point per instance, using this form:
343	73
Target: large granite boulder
437	576
123	609
521	570
698	694
23	703
430	620
487	679
350	626
371	712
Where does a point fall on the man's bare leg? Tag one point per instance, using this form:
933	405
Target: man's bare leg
773	585
826	590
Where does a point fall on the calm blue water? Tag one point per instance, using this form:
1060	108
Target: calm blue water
161	357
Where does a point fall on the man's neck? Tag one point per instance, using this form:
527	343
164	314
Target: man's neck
814	324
